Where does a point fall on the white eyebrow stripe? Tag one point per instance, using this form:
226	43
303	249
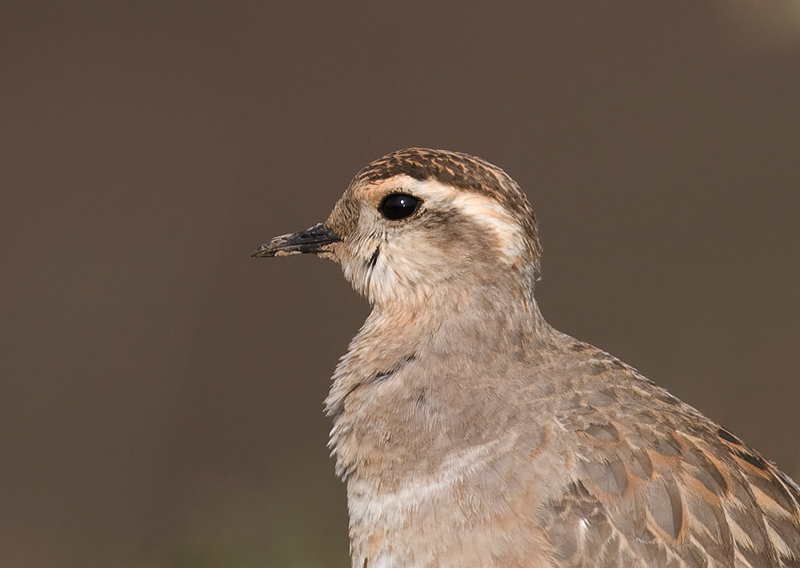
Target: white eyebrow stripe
484	210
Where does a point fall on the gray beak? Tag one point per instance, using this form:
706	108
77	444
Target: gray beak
313	240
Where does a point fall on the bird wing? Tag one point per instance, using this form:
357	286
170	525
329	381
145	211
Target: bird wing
663	493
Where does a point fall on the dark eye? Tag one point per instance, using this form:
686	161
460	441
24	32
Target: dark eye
398	206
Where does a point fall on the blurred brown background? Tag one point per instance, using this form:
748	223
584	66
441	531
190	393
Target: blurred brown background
162	392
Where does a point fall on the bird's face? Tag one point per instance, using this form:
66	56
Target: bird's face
401	240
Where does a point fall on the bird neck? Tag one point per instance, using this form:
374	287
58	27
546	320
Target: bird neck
490	319
404	362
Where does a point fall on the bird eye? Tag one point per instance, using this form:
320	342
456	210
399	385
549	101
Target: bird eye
398	206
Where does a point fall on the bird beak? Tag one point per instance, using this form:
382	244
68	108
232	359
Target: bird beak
314	240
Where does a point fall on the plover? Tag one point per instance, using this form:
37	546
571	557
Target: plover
471	434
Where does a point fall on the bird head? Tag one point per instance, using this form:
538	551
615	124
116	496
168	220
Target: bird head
418	222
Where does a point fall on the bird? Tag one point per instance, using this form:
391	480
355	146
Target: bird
472	434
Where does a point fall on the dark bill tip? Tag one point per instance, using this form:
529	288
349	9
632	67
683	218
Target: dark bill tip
313	240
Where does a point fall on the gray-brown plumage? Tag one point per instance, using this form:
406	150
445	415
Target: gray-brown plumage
472	434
